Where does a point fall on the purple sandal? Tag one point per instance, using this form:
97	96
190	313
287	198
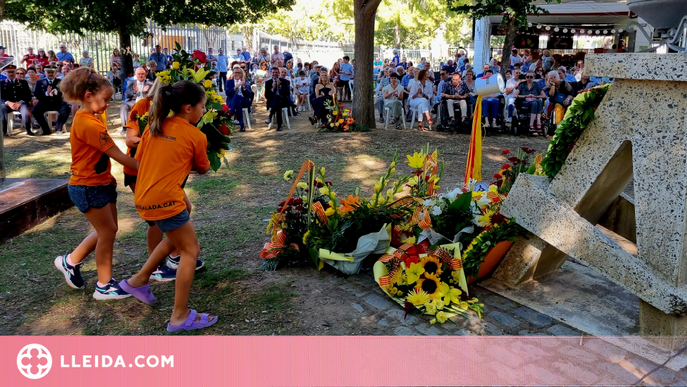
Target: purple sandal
142	293
191	323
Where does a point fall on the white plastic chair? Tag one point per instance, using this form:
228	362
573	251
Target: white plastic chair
10	122
285	112
47	115
386	117
246	117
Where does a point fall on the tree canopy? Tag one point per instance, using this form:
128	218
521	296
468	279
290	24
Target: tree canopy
399	23
131	16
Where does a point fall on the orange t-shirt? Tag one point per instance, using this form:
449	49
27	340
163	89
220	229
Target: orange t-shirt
140	108
166	160
89	141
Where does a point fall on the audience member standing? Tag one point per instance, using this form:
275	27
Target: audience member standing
222	64
159	58
41	58
63	55
276	56
30	58
245	54
345	73
2	52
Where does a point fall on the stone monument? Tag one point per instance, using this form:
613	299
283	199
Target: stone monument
639	135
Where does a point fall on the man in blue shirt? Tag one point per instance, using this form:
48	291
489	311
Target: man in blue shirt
222	64
245	54
345	72
563	74
166	52
63	55
159	57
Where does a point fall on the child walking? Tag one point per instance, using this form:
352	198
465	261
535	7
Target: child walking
168	151
167	270
92	187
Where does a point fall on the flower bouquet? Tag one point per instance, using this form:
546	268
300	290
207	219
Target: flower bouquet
431	281
339	231
339	119
216	123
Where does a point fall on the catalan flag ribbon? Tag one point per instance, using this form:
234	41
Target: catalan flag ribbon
473	167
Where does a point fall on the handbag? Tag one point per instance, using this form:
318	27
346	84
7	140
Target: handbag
559	98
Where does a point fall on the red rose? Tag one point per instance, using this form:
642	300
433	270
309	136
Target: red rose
505	166
224	129
225	108
497	176
505	152
200	56
513	159
528	149
329	183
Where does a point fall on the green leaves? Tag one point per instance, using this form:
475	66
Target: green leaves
461	204
579	115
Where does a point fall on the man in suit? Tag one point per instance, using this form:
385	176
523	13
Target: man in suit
277	91
50	98
136	89
15	96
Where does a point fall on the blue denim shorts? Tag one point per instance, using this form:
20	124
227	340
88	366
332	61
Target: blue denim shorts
85	197
172	223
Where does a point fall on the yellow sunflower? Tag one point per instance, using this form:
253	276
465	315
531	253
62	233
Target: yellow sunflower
430	285
417	297
431	264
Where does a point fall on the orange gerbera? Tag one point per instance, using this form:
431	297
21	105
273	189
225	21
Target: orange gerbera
349	204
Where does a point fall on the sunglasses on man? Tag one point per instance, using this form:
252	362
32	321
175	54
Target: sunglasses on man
530	77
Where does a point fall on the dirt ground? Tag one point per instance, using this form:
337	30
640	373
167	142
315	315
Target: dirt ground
231	207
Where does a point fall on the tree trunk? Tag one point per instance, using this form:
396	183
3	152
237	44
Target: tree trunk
508	43
363	103
126	53
247	33
397	36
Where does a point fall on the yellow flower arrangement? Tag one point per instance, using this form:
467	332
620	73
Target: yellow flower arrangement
416	161
175	65
430	285
208	83
302	185
288	175
418	297
431	264
330	211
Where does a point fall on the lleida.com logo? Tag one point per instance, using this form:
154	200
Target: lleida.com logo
34	361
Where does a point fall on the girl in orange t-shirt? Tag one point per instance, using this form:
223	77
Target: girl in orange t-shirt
169	150
166	271
92	187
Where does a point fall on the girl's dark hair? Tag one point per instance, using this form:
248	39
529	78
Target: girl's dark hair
171	98
301	72
78	82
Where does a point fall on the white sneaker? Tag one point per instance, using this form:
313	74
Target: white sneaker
58	132
494	124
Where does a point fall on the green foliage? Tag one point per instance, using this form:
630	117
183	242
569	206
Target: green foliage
132	16
577	118
511	9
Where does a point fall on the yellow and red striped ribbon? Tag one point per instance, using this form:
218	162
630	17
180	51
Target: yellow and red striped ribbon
473	168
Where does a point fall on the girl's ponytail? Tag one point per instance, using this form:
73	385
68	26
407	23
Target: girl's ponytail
160	109
171	98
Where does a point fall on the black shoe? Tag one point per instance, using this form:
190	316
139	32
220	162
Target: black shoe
268	121
28	132
49	132
279	129
243	129
35	126
381	119
313	120
453	122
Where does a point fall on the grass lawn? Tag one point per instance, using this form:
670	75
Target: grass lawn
231	207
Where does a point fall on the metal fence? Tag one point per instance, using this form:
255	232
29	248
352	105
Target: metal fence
16	38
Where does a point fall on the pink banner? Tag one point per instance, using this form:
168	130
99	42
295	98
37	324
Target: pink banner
313	361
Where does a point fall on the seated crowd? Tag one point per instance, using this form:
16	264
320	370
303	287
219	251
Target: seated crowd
288	86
